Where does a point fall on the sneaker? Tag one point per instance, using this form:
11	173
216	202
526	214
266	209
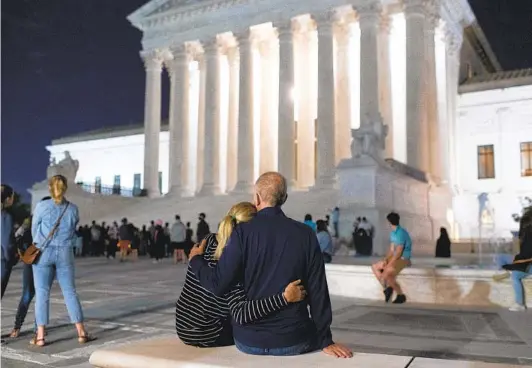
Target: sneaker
517	308
400	299
388	292
500	276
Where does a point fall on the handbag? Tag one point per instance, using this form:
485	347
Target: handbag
31	255
518	265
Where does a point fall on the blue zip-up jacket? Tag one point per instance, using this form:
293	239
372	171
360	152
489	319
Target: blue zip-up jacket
8	245
266	254
45	216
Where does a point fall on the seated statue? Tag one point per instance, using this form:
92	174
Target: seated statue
68	167
369	139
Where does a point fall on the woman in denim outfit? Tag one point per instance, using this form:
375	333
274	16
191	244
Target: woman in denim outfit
58	254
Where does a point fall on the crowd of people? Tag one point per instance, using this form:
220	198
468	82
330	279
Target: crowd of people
251	283
158	240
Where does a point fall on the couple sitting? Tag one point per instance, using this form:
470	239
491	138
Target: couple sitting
251	283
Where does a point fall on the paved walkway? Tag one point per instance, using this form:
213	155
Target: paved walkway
136	301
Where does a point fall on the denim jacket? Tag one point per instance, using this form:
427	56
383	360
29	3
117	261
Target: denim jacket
45	216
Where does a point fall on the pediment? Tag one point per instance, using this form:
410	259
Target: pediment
160	7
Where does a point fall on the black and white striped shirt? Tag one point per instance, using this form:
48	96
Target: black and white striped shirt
201	316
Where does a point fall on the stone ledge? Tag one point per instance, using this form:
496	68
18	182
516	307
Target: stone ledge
428	285
170	352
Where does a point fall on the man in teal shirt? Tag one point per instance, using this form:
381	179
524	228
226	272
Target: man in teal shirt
397	258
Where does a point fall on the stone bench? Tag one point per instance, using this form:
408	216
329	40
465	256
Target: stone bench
170	352
472	287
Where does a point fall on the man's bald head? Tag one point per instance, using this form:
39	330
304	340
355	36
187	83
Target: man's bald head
271	188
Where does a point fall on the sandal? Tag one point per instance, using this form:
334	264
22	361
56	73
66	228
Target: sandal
37	342
14	333
85	338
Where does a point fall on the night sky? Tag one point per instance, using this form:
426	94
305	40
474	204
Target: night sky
70	66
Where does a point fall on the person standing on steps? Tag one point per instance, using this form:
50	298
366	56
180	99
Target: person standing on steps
336	220
203	228
56	253
177	240
397	258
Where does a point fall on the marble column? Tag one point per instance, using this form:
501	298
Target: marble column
385	83
266	156
178	118
200	156
325	126
369	17
232	129
153	62
343	93
434	144
416	127
245	179
306	95
211	165
453	47
286	132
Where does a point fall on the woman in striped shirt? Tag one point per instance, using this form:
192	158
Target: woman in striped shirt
203	319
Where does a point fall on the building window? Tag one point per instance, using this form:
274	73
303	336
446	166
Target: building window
116	185
526	159
98	184
161	182
486	162
136	184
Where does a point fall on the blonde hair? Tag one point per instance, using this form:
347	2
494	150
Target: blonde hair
240	212
58	186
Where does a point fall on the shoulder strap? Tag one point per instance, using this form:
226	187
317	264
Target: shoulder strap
56	225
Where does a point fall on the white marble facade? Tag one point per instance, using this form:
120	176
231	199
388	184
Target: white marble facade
278	85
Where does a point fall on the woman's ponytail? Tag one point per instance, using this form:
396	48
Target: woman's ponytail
224	232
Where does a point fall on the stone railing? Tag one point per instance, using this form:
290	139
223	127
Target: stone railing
407	170
112	190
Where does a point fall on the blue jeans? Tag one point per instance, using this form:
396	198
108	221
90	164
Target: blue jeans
62	259
502	259
291	350
28	292
517	277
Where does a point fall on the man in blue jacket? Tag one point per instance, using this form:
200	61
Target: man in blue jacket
265	254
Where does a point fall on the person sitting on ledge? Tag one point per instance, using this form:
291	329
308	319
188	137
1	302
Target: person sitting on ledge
443	245
203	319
265	254
397	258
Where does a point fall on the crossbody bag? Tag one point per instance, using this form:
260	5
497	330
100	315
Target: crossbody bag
32	254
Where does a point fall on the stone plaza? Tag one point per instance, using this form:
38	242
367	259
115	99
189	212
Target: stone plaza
134	303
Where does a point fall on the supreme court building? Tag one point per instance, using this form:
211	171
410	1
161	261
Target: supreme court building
260	85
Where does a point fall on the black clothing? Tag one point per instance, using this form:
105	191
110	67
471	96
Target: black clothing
443	247
202	231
